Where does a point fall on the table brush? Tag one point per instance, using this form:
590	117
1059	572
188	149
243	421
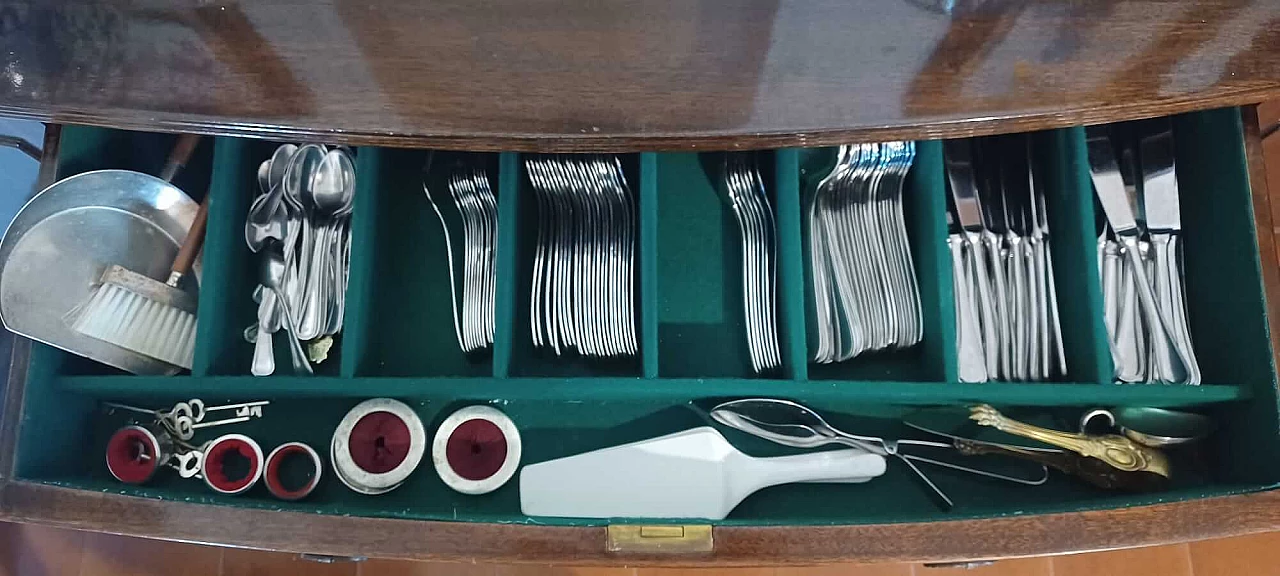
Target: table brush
139	313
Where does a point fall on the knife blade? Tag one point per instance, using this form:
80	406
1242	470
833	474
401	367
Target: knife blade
1160	182
959	161
1107	182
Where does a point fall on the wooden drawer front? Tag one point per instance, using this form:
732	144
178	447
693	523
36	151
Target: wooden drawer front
399	340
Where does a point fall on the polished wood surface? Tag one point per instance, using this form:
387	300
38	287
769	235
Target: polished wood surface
27	550
625	75
960	540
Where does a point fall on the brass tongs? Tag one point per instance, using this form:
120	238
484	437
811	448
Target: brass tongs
1114	450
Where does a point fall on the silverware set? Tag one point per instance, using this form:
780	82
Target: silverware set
300	223
865	294
1007	321
583	292
745	194
1140	262
476	207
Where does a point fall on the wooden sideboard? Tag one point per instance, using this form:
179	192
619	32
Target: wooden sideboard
627	76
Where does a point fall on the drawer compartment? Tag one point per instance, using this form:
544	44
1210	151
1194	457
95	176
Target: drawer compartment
399	337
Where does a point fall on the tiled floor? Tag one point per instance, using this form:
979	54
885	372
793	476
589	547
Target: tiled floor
36	551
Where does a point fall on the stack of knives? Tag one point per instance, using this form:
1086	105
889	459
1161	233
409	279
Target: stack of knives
1007	320
1138	252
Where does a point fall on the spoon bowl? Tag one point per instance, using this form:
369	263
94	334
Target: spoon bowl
299	173
794	435
329	193
264	176
775	411
266	221
1153	427
279	164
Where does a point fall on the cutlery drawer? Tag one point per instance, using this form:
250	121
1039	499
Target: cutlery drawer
398	340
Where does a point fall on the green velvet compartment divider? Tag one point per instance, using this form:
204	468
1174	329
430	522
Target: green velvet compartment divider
1226	303
406	323
701	321
227	309
505	313
790	255
358	324
648	248
927	232
673	389
924	211
1062	170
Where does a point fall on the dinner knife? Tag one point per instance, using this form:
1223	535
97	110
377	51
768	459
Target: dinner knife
959	162
1164	224
1109	187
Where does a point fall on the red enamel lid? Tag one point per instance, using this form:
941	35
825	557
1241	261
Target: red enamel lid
133	454
276	461
379	442
219	470
476	450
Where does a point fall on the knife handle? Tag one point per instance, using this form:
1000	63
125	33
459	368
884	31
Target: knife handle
1111	277
968	341
1040	368
1055	321
1180	312
1129	351
1147	298
999	348
982	274
1169	295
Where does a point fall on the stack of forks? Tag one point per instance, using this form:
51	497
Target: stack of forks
865	295
745	194
476	207
583	292
1007	320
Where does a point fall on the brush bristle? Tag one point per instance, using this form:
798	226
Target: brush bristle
129	320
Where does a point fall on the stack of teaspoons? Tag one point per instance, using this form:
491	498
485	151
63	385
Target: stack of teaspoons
300	225
1139	257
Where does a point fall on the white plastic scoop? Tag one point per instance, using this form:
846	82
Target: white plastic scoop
691	474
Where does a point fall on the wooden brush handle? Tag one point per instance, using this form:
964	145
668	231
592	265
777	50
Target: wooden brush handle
182	151
191	246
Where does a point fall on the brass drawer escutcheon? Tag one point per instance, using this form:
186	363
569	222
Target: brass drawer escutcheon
668	539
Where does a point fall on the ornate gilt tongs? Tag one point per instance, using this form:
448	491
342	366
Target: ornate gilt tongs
1118	451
